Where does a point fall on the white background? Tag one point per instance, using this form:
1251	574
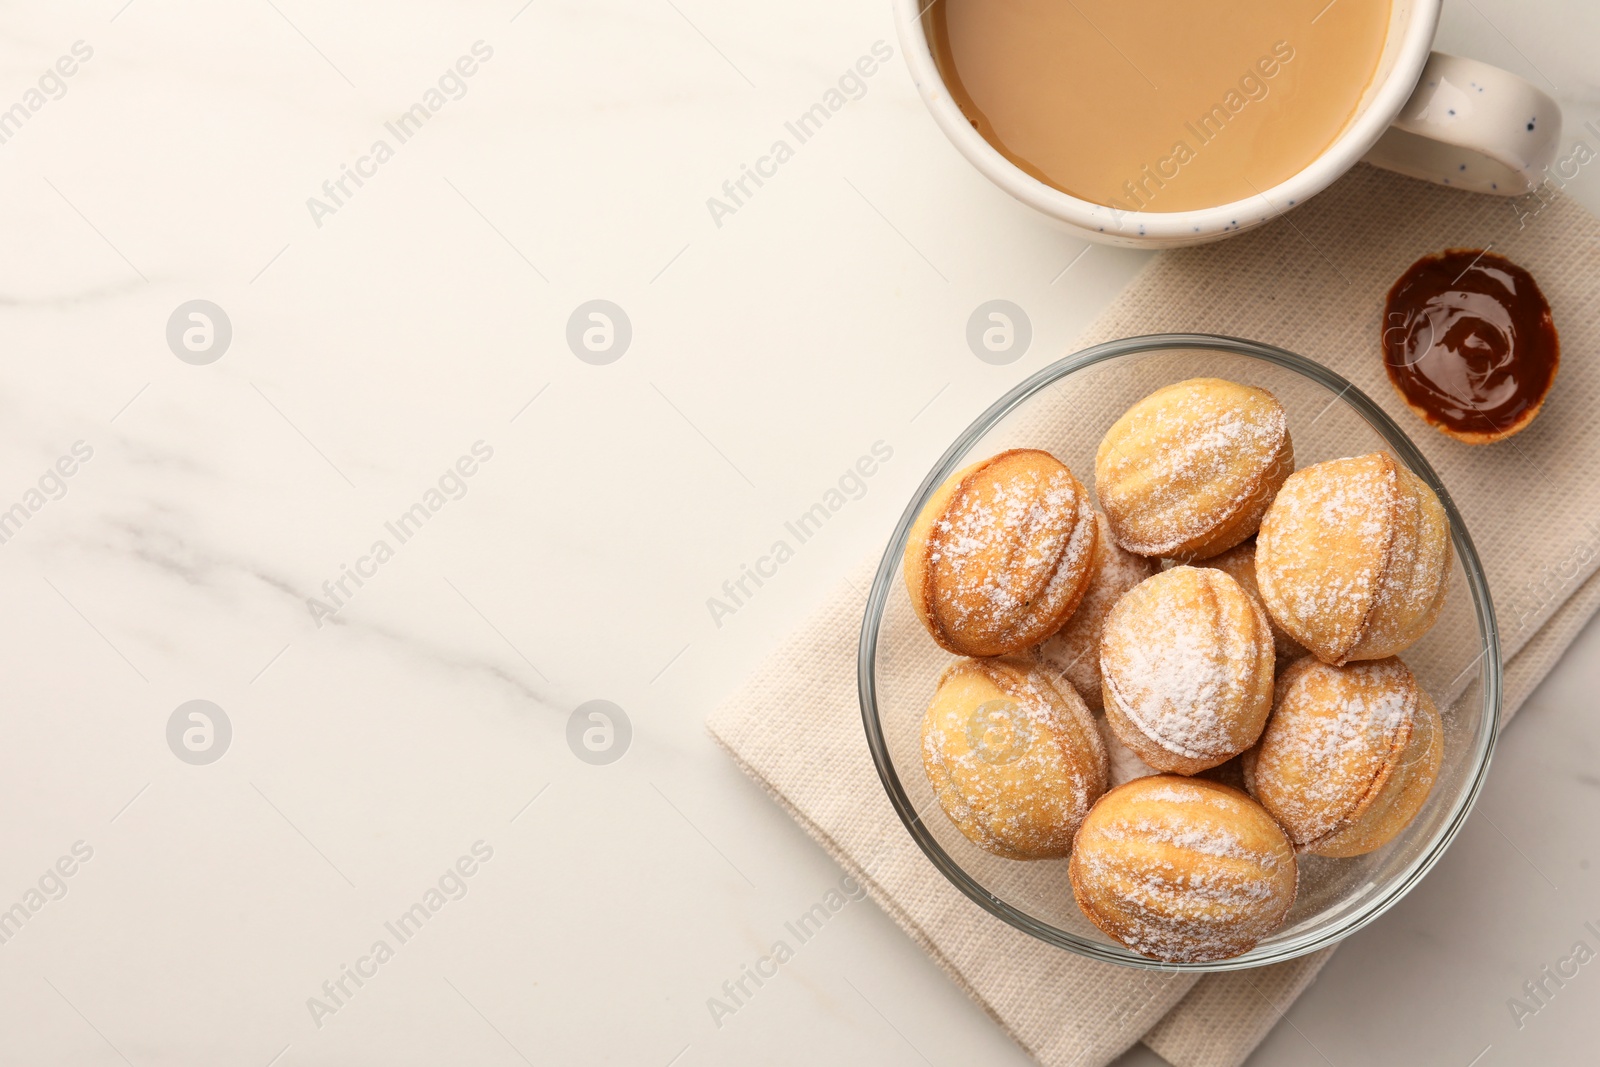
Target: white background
368	354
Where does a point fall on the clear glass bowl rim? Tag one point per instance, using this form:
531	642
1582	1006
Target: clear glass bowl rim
883	582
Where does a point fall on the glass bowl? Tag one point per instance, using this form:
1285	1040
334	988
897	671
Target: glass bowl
1065	409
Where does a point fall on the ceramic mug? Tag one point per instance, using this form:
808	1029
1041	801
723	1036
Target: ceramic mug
1428	115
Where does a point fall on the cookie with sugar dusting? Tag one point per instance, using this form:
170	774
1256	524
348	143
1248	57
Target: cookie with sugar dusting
1353	558
1183	869
1349	755
1074	650
1015	760
1188	471
1186	663
1240	564
1001	554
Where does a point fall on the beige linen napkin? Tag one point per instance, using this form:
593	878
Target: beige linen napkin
1312	282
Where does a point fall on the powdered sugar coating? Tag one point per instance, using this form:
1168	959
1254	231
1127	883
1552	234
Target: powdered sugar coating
1417	577
1187	661
1074	650
1124	761
1189	470
1240	564
1349	754
1015	761
1003	554
1183	869
1353	558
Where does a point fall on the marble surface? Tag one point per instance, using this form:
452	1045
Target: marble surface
400	762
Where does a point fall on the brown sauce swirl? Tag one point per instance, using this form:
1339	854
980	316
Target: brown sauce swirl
1469	343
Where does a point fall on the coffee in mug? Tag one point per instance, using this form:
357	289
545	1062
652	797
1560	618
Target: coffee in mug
1159	105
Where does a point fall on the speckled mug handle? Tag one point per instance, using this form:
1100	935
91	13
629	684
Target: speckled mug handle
1472	126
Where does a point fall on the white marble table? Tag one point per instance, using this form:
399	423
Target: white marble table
402	342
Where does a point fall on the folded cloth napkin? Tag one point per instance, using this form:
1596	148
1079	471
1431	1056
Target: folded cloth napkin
1313	282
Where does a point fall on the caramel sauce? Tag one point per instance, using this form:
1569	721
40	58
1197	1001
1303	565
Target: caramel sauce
1469	343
